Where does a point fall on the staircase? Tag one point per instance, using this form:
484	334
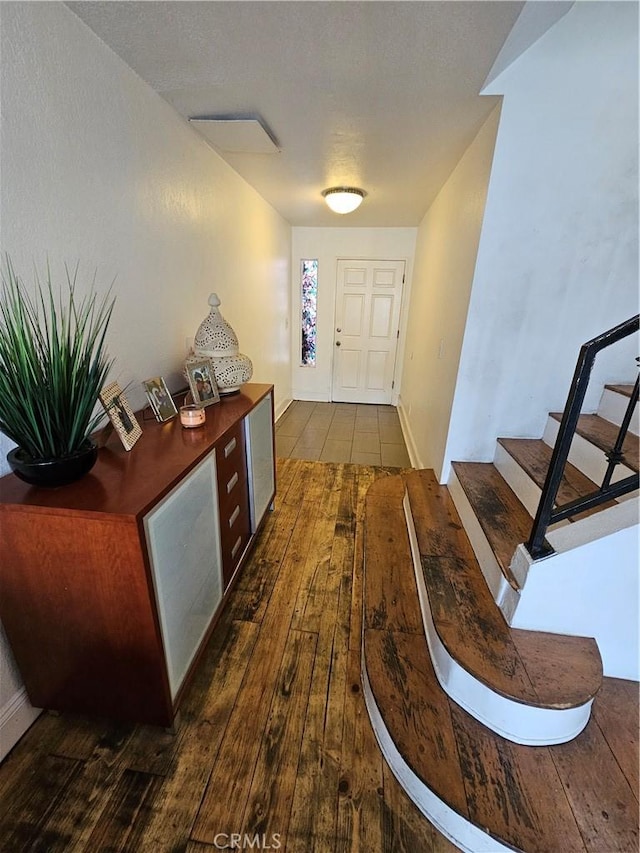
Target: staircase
483	670
580	589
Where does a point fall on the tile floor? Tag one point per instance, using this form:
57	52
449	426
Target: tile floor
342	432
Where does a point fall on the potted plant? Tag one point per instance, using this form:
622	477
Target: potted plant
53	364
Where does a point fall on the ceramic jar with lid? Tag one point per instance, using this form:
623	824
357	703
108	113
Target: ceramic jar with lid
216	340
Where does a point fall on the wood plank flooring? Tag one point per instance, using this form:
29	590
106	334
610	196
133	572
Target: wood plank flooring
274	738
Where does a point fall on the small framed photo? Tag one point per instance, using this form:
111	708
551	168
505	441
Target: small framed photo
202	382
120	414
160	399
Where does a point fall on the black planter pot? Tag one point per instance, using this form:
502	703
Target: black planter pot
53	472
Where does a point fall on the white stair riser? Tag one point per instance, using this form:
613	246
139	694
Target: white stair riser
613	407
504	595
515	721
584	455
526	490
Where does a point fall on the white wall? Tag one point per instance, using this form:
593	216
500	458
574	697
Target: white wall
558	256
328	245
97	168
446	250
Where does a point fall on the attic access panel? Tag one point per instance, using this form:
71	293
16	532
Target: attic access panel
237	135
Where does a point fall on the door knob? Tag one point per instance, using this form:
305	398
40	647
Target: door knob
337	343
338	330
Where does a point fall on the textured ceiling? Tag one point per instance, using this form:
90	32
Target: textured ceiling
380	95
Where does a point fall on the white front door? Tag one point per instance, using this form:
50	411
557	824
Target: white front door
368	297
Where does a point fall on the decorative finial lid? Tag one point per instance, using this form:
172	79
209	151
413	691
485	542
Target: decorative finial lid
215	337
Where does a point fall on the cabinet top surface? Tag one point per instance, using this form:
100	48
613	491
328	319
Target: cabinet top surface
130	482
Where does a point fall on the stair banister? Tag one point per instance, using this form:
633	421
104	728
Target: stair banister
537	546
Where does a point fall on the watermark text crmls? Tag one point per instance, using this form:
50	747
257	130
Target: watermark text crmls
246	841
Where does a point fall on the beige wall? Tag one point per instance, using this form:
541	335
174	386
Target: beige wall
445	259
97	168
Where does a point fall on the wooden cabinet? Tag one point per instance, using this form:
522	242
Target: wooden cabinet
110	587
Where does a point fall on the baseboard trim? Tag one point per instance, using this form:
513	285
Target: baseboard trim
412	450
16	716
281	408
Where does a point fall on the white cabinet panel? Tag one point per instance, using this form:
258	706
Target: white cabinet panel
259	438
183	540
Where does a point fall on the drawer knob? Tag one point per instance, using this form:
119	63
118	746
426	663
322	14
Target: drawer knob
232	482
234	515
234	550
230	448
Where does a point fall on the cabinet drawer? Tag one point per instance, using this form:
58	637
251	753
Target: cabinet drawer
231	457
233	544
232	492
235	525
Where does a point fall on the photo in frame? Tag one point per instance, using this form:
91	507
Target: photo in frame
120	414
160	399
202	382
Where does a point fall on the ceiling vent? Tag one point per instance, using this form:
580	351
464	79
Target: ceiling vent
237	135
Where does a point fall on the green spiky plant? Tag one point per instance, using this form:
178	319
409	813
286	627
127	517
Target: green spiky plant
53	363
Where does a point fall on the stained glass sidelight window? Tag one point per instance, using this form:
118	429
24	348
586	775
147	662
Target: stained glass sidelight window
309	311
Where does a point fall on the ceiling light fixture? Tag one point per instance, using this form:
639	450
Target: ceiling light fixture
343	199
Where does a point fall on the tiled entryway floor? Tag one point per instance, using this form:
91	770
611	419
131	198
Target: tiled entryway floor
342	432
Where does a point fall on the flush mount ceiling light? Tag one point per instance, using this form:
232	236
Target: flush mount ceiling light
343	199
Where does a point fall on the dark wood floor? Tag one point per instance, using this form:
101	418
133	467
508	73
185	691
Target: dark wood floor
274	738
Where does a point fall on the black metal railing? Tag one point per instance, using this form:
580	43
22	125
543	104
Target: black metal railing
548	513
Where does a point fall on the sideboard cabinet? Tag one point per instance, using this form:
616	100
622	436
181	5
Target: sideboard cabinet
111	586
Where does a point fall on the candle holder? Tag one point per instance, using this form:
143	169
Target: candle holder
192	416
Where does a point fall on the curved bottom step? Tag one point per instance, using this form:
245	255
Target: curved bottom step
482	791
521	723
486	794
532	688
460	831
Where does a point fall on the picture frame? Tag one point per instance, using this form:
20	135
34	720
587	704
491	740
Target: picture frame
202	383
120	414
160	399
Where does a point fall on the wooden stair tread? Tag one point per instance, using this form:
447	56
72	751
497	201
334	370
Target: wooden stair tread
439	531
534	457
625	390
388	604
503	518
603	434
531	799
557	662
474	632
415	708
